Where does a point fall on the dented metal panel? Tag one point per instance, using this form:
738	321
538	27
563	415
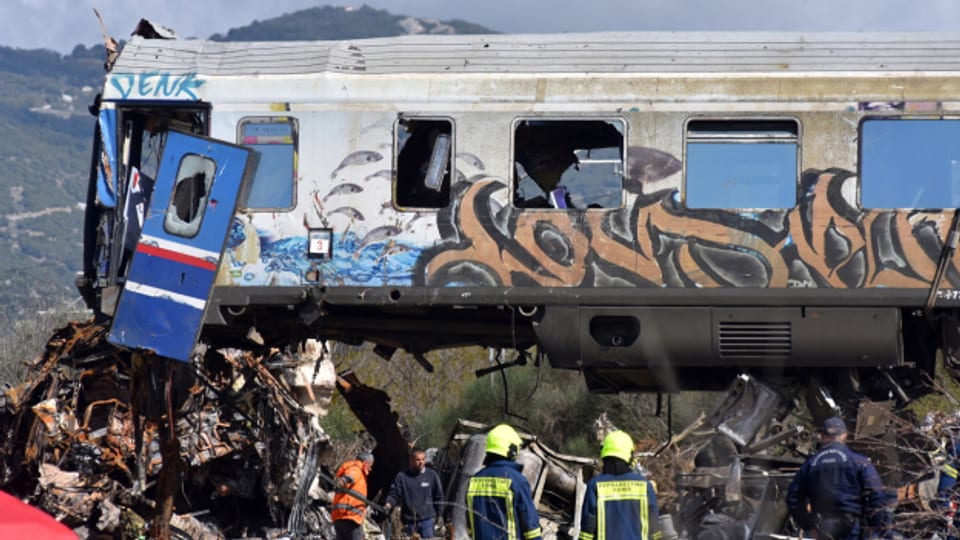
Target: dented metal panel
181	242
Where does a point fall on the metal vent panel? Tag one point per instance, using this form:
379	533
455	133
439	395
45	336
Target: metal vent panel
764	339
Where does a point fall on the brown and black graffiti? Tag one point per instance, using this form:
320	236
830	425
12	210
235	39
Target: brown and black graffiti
825	241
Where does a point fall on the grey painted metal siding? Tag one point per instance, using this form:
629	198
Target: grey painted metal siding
615	52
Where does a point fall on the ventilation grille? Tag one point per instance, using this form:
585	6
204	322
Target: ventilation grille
755	339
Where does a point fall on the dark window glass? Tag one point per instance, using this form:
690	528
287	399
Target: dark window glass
424	150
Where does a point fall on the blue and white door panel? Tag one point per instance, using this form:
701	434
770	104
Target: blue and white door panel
199	184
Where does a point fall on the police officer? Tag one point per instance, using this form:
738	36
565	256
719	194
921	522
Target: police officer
620	504
836	489
499	503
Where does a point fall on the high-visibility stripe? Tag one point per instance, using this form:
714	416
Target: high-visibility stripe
622	490
153	292
348	508
950	470
533	533
493	487
586	536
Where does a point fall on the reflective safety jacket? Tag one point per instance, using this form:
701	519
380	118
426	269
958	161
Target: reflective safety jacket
619	507
500	506
350	475
946	500
838	483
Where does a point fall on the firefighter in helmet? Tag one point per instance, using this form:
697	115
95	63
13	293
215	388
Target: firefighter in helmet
499	503
948	487
620	503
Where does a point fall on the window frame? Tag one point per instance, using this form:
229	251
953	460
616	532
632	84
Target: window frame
451	167
860	160
295	135
514	180
756	138
172	223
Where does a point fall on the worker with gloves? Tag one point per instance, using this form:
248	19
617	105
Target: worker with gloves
837	491
499	503
349	502
620	503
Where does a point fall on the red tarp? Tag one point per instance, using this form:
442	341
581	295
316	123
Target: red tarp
20	521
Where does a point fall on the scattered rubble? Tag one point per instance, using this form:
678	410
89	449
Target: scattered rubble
231	446
84	434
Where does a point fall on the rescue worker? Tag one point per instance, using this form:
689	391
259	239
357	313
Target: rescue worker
837	489
499	503
620	503
419	493
348	509
947	495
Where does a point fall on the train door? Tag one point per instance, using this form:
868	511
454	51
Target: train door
195	195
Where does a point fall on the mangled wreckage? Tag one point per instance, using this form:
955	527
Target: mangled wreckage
233	448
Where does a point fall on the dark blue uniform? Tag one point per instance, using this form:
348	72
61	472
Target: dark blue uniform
619	507
499	504
947	494
842	489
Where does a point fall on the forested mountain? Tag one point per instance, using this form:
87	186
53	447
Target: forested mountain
46	136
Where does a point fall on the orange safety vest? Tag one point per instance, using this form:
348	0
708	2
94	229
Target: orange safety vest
345	506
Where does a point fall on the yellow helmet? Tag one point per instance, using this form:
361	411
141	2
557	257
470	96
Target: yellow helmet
618	444
503	441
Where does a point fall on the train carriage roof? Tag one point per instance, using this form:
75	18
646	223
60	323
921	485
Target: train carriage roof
607	52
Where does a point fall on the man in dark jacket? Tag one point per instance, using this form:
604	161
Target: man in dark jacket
837	489
420	495
620	503
499	503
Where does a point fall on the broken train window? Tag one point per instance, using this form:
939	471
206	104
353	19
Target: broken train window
190	193
424	150
568	163
143	135
273	186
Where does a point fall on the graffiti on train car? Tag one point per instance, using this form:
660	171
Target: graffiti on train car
653	241
156	85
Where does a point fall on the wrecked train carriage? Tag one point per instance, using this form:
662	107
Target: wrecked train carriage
657	210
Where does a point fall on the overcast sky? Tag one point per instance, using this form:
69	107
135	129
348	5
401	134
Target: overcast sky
62	24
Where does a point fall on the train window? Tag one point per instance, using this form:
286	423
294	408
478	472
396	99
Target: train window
741	164
909	163
568	163
185	211
276	140
424	150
